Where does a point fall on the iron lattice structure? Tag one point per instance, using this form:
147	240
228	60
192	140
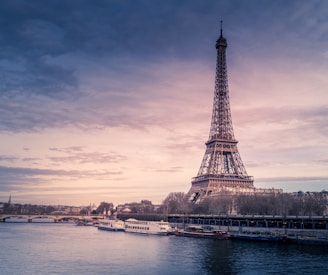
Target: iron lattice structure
222	165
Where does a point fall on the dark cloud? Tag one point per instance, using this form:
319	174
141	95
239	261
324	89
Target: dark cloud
20	174
77	154
89	158
34	171
31	159
36	34
37	77
68	149
100	27
8	158
26	181
44	47
174	169
25	42
30	115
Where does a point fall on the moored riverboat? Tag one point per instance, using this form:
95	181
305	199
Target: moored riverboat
261	236
112	225
42	220
15	219
200	232
86	222
147	227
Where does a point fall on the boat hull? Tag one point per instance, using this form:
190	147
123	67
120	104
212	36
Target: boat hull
112	229
260	238
204	235
203	232
112	225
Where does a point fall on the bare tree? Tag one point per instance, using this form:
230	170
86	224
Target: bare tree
309	203
105	207
176	203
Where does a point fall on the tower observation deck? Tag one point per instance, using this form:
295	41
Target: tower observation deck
221	167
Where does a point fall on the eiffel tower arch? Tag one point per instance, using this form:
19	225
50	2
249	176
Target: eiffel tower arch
221	167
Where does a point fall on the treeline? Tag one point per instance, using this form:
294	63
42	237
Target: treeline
293	204
17	208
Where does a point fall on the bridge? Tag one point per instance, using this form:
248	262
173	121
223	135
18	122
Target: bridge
56	218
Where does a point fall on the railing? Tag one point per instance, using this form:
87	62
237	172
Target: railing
225	177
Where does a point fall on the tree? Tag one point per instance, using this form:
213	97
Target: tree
222	203
105	207
176	203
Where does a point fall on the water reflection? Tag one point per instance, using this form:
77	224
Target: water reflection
65	249
243	257
218	257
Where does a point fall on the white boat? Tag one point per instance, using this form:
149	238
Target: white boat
16	219
111	225
42	220
147	227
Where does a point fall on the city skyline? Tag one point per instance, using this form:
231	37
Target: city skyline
112	100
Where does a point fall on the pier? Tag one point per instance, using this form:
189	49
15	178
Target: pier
258	221
297	229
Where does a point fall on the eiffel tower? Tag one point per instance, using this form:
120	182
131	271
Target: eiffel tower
222	167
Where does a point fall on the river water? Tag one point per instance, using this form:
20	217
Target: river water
69	249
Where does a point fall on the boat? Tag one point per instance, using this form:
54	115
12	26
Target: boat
15	219
261	236
111	225
85	222
42	220
147	227
200	232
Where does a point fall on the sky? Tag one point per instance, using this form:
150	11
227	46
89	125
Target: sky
111	100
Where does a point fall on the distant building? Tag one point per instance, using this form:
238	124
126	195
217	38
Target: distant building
145	206
73	210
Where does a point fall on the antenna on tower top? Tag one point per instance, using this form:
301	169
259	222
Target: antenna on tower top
221	27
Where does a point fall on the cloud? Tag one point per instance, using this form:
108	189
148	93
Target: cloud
293	184
8	158
32	160
122	91
26	172
68	149
139	102
170	169
25	70
294	126
17	179
88	157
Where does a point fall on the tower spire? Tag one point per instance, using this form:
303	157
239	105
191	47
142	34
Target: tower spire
221	28
222	166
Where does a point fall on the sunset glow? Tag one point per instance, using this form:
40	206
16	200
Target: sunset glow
112	100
